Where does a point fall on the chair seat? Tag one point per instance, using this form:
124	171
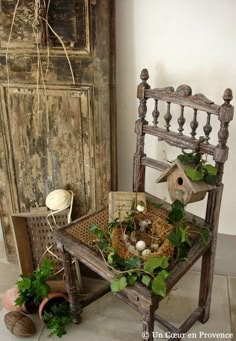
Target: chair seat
78	240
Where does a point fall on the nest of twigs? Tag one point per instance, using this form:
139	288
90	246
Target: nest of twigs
152	228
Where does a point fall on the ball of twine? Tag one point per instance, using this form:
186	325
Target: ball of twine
58	200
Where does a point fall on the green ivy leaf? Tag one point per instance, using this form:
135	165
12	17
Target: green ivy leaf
205	234
103	244
119	284
187	158
97	231
182	231
165	262
193	174
113	224
174	238
24	284
153	263
110	257
133	263
211	179
177	204
211	169
131	279
177	213
146	280
183	253
159	283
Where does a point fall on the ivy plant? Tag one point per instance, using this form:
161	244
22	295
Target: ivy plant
33	287
180	235
152	272
57	318
198	168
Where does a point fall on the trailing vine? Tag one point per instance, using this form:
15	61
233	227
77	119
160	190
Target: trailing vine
198	168
152	271
184	232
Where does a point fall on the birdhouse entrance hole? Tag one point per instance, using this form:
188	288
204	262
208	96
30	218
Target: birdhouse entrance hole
180	181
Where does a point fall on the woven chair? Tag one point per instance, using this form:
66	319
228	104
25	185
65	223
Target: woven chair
75	239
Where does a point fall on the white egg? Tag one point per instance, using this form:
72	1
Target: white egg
155	246
140	208
140	245
146	252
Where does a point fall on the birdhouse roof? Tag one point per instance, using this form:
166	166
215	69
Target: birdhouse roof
196	186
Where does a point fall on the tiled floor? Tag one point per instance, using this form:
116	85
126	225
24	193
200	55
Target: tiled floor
109	319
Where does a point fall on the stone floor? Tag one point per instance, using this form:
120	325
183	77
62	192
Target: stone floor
109	319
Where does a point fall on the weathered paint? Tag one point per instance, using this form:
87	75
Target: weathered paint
56	136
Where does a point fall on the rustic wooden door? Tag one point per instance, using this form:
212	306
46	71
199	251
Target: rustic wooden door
57	104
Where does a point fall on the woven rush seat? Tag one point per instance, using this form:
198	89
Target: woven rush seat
81	229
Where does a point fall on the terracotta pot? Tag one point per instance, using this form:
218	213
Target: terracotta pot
8	300
51	297
30	308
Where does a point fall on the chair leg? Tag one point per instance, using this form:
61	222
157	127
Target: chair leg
148	325
75	306
208	259
206	282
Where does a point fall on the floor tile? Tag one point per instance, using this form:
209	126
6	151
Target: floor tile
183	300
107	319
9	275
232	298
225	256
6	335
2	252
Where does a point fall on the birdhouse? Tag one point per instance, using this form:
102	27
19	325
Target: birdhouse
182	188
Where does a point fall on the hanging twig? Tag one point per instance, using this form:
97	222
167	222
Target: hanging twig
63	45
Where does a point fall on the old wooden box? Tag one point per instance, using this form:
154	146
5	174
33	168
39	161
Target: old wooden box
33	235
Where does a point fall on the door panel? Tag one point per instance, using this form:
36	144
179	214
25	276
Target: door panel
51	148
55	127
68	19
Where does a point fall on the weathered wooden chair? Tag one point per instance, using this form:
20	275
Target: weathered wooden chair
73	240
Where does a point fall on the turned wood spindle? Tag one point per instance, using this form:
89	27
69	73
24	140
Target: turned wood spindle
194	124
225	116
142	109
207	128
155	114
181	121
168	117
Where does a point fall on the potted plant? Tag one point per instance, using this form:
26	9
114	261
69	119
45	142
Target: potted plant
33	288
54	311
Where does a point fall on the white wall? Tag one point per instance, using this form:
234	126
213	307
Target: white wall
180	42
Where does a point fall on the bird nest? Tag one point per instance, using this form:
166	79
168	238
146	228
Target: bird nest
151	229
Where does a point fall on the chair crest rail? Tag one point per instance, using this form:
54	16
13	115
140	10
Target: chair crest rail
199	134
181	97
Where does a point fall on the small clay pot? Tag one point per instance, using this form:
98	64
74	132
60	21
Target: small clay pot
30	308
8	300
53	296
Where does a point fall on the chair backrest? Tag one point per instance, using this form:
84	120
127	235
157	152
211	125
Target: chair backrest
183	98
